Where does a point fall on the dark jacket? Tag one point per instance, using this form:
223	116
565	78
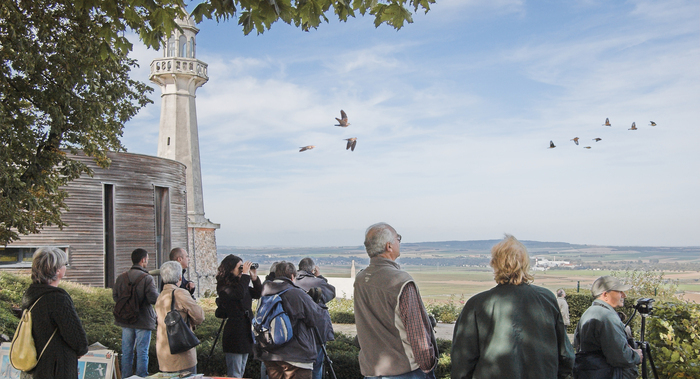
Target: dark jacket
307	281
235	303
601	345
304	315
55	311
511	331
147	293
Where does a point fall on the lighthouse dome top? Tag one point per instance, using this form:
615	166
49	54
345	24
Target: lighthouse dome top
187	23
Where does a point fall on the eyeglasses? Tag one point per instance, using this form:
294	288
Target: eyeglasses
398	237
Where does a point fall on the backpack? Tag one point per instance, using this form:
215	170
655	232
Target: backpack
271	326
126	309
23	351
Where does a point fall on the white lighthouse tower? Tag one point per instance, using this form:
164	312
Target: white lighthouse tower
179	73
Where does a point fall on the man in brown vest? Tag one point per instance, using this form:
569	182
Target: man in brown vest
393	329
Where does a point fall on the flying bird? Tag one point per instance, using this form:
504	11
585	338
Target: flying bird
634	126
552	145
352	142
343	120
306	148
652	123
597	139
607	122
586	147
575	140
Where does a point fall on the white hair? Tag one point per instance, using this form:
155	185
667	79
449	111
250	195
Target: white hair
171	272
375	243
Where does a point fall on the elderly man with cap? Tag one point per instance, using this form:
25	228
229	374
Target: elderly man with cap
600	341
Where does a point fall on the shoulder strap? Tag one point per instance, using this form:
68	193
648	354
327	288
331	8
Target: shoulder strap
172	300
52	334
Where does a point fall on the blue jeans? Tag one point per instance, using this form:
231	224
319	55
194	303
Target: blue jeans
235	365
139	340
317	372
415	374
263	371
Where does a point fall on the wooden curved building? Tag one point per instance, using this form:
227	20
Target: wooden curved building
140	201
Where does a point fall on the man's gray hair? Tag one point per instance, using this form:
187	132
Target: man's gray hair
307	264
46	262
561	293
376	238
171	272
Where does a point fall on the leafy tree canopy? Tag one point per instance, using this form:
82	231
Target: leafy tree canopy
65	86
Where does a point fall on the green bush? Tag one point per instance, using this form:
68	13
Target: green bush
446	312
674	336
342	311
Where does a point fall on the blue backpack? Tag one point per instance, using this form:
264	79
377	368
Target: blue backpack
271	325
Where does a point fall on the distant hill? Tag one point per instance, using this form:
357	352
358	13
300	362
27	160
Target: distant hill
486	245
477	253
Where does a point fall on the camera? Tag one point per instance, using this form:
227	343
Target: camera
644	306
255	266
316	294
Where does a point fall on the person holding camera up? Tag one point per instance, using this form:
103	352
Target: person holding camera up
309	278
235	301
602	350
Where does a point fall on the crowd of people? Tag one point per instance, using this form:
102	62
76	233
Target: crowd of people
514	330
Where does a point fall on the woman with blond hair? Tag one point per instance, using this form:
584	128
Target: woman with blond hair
514	330
56	328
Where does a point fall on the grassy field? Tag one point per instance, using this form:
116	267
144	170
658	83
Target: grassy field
440	283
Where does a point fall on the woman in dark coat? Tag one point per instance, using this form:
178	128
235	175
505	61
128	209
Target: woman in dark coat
235	301
54	311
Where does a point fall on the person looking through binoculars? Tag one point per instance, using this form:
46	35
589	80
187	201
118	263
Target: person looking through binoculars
233	285
309	278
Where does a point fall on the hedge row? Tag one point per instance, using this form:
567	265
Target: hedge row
672	330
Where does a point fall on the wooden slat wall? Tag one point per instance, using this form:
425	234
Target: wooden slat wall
134	177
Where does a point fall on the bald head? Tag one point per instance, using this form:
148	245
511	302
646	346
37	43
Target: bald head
179	254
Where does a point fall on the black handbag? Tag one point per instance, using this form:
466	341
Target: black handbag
180	336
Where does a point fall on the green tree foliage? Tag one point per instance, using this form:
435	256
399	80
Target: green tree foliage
648	284
61	88
65	86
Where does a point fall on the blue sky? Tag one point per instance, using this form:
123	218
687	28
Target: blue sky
453	116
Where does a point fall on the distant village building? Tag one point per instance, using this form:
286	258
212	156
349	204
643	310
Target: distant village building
155	203
542	264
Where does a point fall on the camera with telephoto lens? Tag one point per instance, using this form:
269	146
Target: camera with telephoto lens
644	306
316	294
255	266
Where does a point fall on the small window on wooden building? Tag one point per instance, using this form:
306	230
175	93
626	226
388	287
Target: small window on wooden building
21	256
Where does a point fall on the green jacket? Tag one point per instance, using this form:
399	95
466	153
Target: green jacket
511	331
600	331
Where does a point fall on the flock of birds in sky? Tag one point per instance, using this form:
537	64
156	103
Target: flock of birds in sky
607	123
352	142
343	123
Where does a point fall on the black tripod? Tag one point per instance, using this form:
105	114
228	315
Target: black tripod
646	351
216	339
327	359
